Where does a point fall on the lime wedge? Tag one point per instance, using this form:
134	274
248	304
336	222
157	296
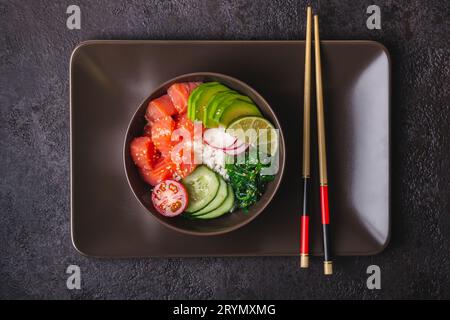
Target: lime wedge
256	131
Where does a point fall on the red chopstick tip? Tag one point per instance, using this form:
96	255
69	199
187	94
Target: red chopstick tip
324	205
304	232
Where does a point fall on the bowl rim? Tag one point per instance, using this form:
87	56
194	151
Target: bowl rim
282	148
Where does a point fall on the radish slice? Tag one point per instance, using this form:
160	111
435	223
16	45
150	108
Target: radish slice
218	138
235	146
240	149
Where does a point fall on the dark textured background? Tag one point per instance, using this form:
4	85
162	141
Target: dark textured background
35	245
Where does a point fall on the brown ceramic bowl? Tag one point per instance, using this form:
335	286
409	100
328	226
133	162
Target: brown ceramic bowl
228	222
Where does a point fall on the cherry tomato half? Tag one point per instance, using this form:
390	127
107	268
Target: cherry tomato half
170	198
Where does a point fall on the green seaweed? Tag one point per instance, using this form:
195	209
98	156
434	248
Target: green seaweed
247	182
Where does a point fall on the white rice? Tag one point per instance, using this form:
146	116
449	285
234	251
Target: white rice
215	160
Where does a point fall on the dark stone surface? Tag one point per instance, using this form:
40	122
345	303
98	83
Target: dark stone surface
35	246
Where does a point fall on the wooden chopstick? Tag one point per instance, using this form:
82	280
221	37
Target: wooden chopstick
328	264
306	167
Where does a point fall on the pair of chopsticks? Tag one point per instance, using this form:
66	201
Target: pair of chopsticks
306	172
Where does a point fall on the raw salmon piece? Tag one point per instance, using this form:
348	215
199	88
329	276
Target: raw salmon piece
193	85
163	169
159	108
182	153
147	130
142	152
179	93
161	131
185	169
184	122
184	159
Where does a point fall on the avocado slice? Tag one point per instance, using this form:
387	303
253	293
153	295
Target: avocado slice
238	109
212	105
222	106
193	97
205	95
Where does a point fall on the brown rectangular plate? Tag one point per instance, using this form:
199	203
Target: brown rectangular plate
109	80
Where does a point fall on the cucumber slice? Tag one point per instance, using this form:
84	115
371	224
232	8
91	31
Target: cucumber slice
202	186
225	207
204	97
217	201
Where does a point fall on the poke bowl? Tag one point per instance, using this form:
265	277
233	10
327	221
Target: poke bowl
204	153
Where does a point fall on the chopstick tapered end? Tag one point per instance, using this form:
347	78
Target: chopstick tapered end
304	261
315	6
328	268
